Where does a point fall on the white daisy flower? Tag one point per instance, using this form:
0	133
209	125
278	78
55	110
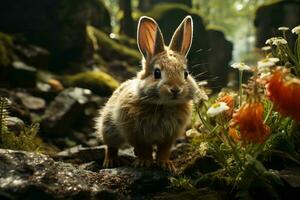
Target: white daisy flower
283	28
192	133
270	41
264	75
240	66
216	109
266	48
277	41
296	30
267	62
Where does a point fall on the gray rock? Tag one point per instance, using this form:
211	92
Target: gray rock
90	154
31	102
65	110
25	175
15	124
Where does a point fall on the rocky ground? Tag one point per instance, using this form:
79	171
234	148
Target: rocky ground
76	174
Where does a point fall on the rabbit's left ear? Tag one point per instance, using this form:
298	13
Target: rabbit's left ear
182	38
149	37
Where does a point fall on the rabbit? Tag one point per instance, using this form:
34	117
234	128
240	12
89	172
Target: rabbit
153	108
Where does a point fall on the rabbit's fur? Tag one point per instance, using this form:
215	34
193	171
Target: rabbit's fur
151	109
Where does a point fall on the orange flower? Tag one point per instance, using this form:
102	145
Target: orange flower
249	121
229	100
284	92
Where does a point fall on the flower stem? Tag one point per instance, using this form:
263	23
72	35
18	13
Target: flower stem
234	151
240	87
269	113
207	125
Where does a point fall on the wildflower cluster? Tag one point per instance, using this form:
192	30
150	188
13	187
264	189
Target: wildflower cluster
244	125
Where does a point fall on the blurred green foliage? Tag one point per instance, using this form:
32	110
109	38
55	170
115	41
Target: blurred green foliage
234	17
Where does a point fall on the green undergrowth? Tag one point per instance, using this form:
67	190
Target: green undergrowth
26	140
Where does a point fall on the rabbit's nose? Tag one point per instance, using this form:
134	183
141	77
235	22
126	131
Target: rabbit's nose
175	90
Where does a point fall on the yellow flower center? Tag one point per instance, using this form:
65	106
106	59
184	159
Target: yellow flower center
216	105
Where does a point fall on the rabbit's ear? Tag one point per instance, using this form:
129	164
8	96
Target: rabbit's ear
149	37
182	38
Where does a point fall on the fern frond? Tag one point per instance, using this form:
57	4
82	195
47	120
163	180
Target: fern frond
3	117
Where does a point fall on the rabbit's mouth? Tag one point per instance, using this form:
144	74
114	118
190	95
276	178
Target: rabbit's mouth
174	97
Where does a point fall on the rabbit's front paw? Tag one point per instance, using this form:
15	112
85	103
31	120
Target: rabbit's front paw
111	158
167	165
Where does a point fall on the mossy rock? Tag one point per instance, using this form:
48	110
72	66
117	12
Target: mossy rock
269	17
99	82
6	50
110	49
56	25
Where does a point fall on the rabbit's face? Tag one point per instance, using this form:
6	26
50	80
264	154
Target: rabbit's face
164	78
169	81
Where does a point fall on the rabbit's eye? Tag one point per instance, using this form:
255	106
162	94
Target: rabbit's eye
186	73
157	73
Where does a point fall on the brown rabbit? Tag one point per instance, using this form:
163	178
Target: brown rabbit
155	107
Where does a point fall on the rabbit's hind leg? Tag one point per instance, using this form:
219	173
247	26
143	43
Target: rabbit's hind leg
113	140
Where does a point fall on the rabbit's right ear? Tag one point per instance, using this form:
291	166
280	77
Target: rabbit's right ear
183	36
149	37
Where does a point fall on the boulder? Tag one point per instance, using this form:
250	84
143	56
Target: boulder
57	25
33	176
269	17
64	111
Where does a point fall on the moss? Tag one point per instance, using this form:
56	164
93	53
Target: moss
6	49
27	140
110	49
181	183
99	82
